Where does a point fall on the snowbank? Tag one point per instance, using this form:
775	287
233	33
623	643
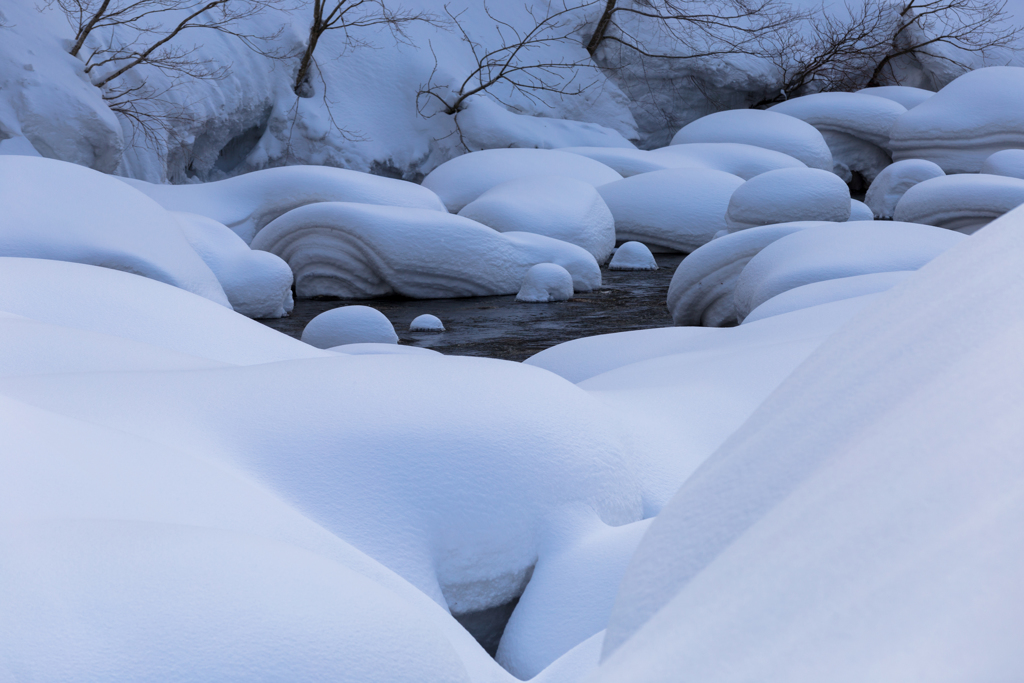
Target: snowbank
1007	162
745	161
556	206
678	208
893	182
361	251
907	96
786	195
545	282
964	202
826	291
349	325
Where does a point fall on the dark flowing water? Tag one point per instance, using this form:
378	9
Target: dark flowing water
501	327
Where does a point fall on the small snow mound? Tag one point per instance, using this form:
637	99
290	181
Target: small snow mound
767	129
1007	162
633	256
426	323
349	325
894	181
546	282
859	211
827	291
786	195
745	161
963	201
904	94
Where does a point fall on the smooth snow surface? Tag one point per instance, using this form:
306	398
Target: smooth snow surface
246	204
893	182
964	202
826	291
382	348
907	96
426	323
976	115
361	251
546	282
56	210
786	195
859	211
767	129
745	161
633	256
463	179
1007	162
876	492
678	208
349	325
556	206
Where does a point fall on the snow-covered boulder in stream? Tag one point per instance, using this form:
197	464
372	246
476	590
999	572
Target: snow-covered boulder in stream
893	182
903	94
461	180
962	201
349	325
426	323
361	251
826	291
556	206
633	256
859	211
545	282
680	208
1007	162
745	161
786	195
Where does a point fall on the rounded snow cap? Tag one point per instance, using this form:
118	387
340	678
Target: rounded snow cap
546	282
426	323
349	325
633	256
786	195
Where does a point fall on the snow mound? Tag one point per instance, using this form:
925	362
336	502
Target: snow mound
889	534
633	256
679	208
787	195
349	325
701	291
461	180
426	323
546	282
859	211
836	251
903	94
894	181
247	203
767	129
377	349
964	202
257	283
826	291
556	206
361	251
630	162
745	161
60	211
856	127
963	124
108	302
1007	162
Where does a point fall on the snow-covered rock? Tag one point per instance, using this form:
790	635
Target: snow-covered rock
859	211
361	251
546	282
61	211
856	127
893	182
962	201
247	203
349	325
678	208
826	291
787	195
767	129
976	115
382	348
743	160
903	94
426	323
257	283
463	179
556	206
836	251
633	256
1007	162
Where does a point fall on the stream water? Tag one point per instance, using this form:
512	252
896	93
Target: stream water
501	327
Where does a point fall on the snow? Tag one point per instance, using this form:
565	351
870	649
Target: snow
376	349
362	251
767	129
461	180
786	195
1007	162
827	291
856	127
349	325
546	282
836	251
426	323
892	183
256	283
633	256
888	532
976	115
556	206
55	210
859	211
246	204
964	202
907	96
743	160
679	208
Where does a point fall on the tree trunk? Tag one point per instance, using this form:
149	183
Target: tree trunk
602	27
